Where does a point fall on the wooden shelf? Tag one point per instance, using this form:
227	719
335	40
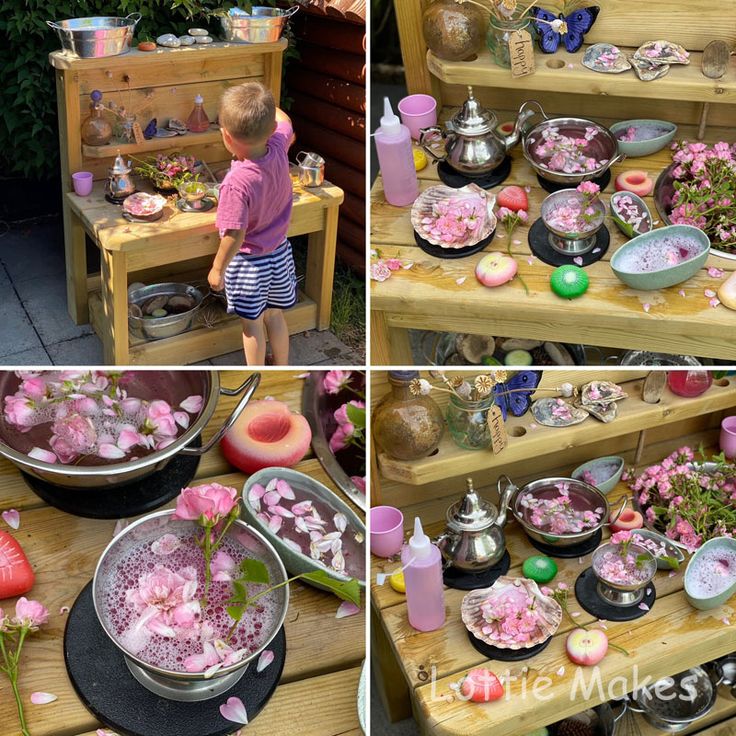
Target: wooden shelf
564	72
154	144
525	442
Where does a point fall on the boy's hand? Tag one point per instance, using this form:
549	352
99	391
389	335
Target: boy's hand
216	280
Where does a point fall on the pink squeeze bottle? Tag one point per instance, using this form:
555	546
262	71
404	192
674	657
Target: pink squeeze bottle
425	594
395	156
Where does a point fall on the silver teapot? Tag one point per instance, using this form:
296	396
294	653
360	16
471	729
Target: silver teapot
474	540
473	146
119	181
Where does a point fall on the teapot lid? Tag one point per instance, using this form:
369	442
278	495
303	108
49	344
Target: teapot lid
472	118
471	512
119	166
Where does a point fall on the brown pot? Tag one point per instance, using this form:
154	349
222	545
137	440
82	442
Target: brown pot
452	31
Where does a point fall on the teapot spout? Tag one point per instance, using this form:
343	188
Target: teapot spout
520	125
504	498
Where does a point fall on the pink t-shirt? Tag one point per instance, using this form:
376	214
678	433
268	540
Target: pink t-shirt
256	196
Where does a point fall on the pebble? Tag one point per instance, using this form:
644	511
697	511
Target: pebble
198	32
169	40
203	39
186	40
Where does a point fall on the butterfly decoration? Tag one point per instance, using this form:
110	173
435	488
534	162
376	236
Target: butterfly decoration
515	395
570	28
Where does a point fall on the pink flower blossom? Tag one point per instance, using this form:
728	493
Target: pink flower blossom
341	436
30	614
210	501
335	381
20	412
379	271
394	264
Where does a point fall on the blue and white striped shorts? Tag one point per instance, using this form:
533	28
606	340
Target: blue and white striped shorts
256	283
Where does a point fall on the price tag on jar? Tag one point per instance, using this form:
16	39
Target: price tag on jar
499	438
521	53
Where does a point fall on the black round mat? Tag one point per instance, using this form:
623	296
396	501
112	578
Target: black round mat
455	179
439	252
586	591
550	186
576	550
103	682
541	248
120	502
462	580
506	655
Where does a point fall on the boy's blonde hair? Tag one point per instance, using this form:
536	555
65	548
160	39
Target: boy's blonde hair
248	111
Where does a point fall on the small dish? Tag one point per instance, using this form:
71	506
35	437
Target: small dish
671	550
144	207
631	214
604	472
650	136
720	554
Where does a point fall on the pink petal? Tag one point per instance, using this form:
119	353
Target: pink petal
212	670
715	273
291	543
461	280
274	523
263	518
63	610
271	498
192	404
596	250
120	524
709	293
714	302
681	292
301	508
575	614
517	242
646	306
12	518
578	260
182	419
110	452
726	620
561	671
127	439
602	624
302	375
264	660
39	698
285	490
530	261
643	606
43	455
234	711
281	511
347	608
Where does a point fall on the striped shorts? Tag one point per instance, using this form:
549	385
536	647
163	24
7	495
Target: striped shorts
256	283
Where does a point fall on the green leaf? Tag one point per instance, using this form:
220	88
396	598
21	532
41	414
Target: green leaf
254	571
235	612
241	592
356	415
347	590
673	562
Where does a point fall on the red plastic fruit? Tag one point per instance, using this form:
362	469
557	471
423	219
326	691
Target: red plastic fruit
513	198
628	520
482	686
16	573
266	435
634	181
147	46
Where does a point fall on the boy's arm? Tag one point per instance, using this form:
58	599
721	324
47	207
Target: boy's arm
282	117
229	245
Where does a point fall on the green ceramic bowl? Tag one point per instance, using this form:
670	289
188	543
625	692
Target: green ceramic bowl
704	604
670	549
605	481
627	228
667	276
635	149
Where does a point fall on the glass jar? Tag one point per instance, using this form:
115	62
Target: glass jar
467	422
406	427
689	383
497	39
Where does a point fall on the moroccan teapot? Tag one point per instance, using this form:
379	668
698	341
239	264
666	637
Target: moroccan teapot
474	540
473	146
119	181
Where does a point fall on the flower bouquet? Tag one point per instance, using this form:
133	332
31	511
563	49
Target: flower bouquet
167	171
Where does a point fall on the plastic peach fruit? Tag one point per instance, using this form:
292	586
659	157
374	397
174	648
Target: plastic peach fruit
638	182
495	269
481	686
586	647
265	435
628	520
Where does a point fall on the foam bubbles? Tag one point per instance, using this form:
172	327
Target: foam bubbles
711	573
658	255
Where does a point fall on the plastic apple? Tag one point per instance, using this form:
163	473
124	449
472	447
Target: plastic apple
586	647
495	269
634	181
482	686
265	435
628	520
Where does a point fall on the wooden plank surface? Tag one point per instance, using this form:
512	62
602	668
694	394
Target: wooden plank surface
64	549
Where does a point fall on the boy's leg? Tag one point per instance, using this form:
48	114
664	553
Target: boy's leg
278	335
254	341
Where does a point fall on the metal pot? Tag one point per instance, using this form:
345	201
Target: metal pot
600	719
594	497
83	477
727	667
157	328
92	38
263	25
310	169
183	686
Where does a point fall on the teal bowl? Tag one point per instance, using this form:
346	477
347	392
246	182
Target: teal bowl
636	149
626	227
606	472
670	549
670	276
705	604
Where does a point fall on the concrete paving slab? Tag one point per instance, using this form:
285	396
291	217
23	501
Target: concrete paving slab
34	252
34	356
82	351
17	333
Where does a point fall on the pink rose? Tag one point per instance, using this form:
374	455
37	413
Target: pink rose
621	537
77	432
30	613
64	452
339	440
210	501
335	381
341	414
19	412
379	271
34	388
394	264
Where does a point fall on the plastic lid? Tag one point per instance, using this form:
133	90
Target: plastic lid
198	100
390	123
419	543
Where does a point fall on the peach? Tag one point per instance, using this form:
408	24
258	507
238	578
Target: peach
628	520
495	269
265	435
638	182
586	647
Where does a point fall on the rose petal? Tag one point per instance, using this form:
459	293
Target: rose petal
281	511
643	606
561	671
12	518
274	523
39	698
646	306
578	260
341	521
182	419
714	302
285	490
709	293
726	620
301	508
302	375
264	660
63	610
234	711
120	524
192	404
44	456
461	280
347	608
111	452
681	292
715	273
271	498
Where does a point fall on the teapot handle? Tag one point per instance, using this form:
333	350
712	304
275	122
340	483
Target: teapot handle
504	498
525	114
426	136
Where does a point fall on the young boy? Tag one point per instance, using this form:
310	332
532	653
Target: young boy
254	263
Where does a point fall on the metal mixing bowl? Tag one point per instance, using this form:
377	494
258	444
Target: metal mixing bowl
157	328
263	25
91	38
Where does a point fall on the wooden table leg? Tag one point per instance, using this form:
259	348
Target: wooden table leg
321	249
75	250
115	304
392	687
389	345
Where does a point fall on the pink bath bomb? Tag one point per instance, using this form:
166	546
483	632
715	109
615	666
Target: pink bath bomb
634	181
628	520
495	269
586	647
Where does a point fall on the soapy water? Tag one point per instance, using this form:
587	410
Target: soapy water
659	255
711	573
642	133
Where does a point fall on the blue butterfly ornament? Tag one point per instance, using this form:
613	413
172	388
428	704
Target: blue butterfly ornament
515	395
569	28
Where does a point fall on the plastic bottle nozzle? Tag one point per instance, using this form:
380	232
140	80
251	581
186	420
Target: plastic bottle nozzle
419	543
390	123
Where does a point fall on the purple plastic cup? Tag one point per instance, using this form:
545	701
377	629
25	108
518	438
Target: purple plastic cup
727	440
417	112
83	182
387	530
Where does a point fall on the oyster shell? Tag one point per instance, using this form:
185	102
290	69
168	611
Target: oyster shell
601	392
647	71
549	613
606	58
556	412
662	52
605	411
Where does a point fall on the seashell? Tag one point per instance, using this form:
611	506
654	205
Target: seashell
134	311
597	392
154	303
662	52
187	40
605	411
158	313
169	40
605	58
647	71
177	126
179	301
549	612
198	32
203	39
556	412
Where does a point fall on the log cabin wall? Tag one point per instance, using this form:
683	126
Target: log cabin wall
327	86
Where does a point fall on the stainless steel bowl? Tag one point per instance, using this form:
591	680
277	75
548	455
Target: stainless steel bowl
570	243
91	38
108	475
263	25
158	328
623	594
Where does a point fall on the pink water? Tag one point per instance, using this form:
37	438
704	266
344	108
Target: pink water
252	632
561	520
658	255
712	572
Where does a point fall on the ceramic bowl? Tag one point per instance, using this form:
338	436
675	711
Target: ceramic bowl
667	276
298	562
625	227
636	149
606	471
704	604
671	550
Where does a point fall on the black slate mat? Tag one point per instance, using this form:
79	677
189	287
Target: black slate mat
506	655
541	248
439	252
462	580
455	179
586	591
550	186
103	682
576	550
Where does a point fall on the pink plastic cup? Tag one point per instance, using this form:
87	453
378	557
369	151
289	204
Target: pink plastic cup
387	530
417	112
83	182
727	440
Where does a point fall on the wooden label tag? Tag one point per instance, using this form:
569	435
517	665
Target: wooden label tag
521	53
499	438
138	133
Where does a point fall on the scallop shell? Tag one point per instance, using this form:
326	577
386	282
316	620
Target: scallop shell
423	208
543	411
601	392
647	71
593	59
549	612
662	52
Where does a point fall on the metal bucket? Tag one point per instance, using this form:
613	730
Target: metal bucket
158	328
311	169
92	38
263	25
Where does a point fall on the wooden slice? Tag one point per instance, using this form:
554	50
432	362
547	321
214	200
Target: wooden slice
715	59
654	387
